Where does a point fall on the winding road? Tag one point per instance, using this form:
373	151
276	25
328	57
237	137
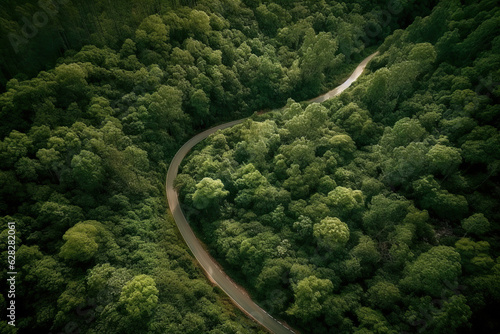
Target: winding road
212	269
354	76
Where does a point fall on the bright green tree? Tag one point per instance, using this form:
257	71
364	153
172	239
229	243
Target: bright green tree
208	193
82	241
331	232
139	296
345	200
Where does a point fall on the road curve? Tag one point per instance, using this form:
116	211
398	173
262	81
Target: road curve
213	271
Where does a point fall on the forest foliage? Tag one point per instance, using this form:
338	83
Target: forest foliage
322	206
374	212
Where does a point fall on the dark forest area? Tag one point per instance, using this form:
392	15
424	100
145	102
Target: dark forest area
374	212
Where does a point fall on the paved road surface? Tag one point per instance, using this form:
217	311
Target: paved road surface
211	268
354	76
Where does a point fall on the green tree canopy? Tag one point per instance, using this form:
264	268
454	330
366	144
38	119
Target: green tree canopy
384	295
82	241
310	294
208	193
477	224
433	271
139	296
87	170
331	232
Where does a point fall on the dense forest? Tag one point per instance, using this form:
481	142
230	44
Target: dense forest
373	212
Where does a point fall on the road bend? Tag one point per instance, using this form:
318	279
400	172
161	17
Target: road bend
212	269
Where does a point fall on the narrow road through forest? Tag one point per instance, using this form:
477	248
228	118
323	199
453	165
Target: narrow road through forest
212	269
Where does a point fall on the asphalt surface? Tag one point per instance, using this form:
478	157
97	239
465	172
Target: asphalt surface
354	76
212	269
